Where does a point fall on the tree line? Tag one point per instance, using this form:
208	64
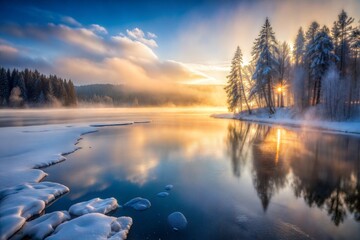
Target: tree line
30	88
321	72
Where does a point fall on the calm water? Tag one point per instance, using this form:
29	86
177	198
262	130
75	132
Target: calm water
232	179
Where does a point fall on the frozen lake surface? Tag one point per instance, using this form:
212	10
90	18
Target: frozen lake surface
232	179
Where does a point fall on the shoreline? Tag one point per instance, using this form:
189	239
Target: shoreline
347	128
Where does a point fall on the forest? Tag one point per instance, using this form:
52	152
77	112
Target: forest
30	88
320	72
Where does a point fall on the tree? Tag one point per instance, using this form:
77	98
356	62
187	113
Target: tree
283	59
299	48
310	38
299	79
341	32
264	55
233	86
4	87
354	93
320	56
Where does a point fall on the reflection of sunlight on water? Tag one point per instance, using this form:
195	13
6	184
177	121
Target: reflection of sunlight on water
278	140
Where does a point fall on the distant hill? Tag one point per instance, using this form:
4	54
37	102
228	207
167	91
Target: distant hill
120	95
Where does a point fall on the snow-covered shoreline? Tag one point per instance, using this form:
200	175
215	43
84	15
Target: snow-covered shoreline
346	127
23	152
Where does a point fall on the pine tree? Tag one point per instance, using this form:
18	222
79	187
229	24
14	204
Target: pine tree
354	93
310	38
341	32
299	80
264	52
283	59
233	85
321	56
4	87
299	48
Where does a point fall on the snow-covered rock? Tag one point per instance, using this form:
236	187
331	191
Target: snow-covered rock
95	226
19	203
168	187
138	203
43	226
177	221
96	205
162	194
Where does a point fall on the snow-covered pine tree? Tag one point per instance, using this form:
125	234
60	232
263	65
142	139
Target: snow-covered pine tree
233	84
310	38
264	55
299	78
283	59
321	56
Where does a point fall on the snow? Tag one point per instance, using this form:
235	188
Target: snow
168	187
32	147
43	226
112	124
23	201
138	203
286	117
177	221
23	151
93	226
96	205
162	194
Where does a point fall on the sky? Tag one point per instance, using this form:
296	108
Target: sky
148	44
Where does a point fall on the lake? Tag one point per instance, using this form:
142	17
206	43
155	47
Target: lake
232	179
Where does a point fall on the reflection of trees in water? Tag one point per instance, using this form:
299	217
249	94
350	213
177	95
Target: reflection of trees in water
237	145
269	168
325	168
328	176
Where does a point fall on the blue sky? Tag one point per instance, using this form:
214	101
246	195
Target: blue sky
139	42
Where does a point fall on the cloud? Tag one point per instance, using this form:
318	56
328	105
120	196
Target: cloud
151	35
7	50
98	29
70	21
138	35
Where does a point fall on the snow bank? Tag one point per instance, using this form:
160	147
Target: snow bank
21	202
93	226
96	205
162	194
43	226
286	117
177	221
26	148
138	203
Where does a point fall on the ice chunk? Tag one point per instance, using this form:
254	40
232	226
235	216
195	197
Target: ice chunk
93	226
138	203
43	226
21	202
162	194
111	124
168	187
96	205
177	221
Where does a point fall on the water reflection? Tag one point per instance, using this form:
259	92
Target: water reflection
322	169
